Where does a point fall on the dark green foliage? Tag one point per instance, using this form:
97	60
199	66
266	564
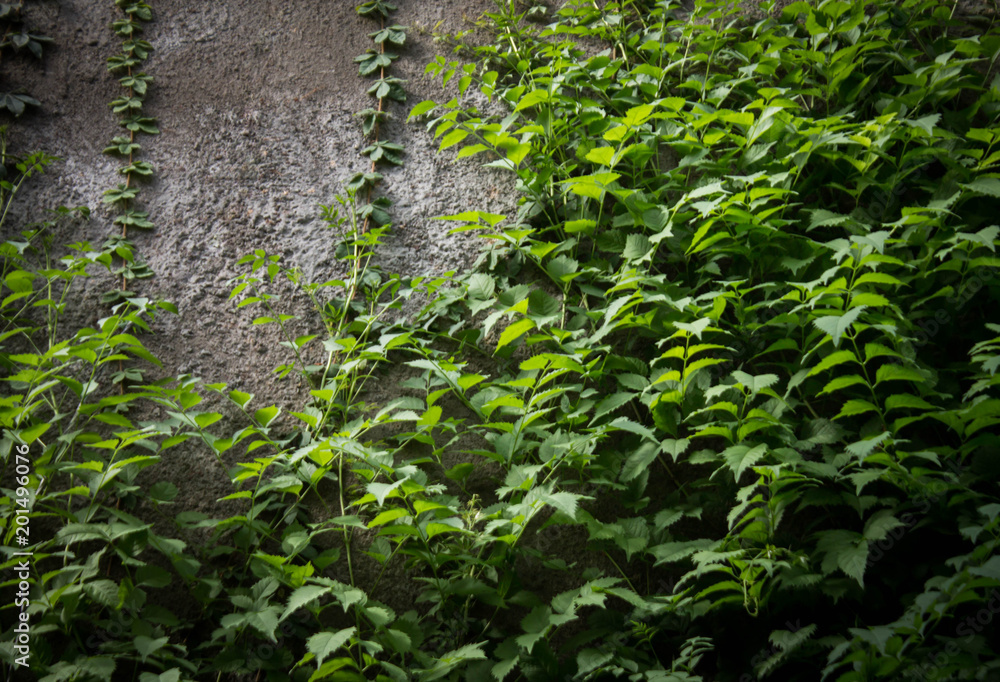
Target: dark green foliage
16	36
728	378
384	151
768	237
376	8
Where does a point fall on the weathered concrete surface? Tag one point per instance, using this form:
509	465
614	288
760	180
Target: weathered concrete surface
255	101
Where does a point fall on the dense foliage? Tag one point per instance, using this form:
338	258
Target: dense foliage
718	403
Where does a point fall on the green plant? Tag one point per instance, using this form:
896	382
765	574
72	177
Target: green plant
717	402
375	62
135	86
72	454
15	36
743	227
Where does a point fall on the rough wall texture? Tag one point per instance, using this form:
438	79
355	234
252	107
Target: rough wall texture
255	102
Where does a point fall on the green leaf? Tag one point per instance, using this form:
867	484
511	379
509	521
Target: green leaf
592	659
583	225
388	516
430	417
562	268
837	325
675	448
514	331
636	247
532	98
739	457
163	491
325	644
855	407
755	384
636	116
901	401
880	525
422	108
504	668
384	490
460	471
266	415
823	218
990	569
863	448
841	383
601	155
453	138
146	646
985	185
481	286
844	550
563	501
832	360
638	462
103	592
898	373
302	596
612	403
33	433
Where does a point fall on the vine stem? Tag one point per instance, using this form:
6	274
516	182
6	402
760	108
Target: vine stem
378	120
128	205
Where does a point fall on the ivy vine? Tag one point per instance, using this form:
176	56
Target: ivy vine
129	106
376	61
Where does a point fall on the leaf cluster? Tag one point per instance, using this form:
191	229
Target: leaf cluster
129	106
727	377
15	36
377	62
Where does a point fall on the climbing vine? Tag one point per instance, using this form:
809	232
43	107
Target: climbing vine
375	62
134	122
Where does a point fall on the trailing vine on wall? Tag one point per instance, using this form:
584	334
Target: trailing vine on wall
376	61
134	122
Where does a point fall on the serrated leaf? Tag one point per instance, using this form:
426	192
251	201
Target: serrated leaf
841	383
636	247
740	457
880	525
863	448
612	403
638	462
504	668
325	644
301	597
902	401
514	331
837	325
855	407
601	155
146	646
844	550
383	490
832	360
755	384
898	373
564	502
985	185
